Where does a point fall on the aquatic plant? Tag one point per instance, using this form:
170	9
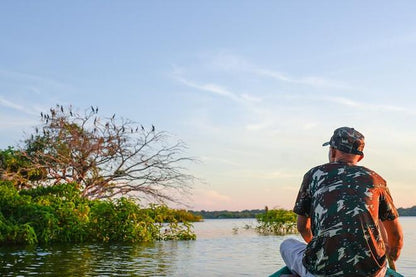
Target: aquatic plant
277	222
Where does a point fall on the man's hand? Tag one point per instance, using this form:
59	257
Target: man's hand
394	253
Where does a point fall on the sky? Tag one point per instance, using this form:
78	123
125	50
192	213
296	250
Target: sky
252	87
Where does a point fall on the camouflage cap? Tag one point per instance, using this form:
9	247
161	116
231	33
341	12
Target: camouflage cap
347	140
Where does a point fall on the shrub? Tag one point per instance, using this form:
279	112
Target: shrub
277	221
60	214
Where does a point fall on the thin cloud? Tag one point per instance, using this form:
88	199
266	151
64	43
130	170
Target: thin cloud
343	101
9	104
219	90
271	175
17	107
265	115
245	99
234	63
392	42
322	82
215	89
368	106
310	126
216	196
33	79
313	81
210	199
251	98
16	123
220	160
259	126
24	86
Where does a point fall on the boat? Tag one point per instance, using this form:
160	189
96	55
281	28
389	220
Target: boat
282	271
285	270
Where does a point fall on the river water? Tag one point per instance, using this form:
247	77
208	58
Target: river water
224	247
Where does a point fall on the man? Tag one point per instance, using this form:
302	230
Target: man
340	208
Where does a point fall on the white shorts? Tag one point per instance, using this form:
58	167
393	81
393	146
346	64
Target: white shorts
292	251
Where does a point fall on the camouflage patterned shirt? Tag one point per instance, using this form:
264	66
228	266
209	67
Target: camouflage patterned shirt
344	203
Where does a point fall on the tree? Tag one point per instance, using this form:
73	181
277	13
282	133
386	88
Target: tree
106	157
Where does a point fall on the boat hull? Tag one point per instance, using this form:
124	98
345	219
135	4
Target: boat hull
285	270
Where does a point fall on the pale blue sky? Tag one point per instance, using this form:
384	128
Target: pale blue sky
253	87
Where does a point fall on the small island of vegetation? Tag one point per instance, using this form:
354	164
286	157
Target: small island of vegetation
277	222
273	221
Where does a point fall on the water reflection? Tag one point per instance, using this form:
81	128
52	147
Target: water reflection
145	259
223	248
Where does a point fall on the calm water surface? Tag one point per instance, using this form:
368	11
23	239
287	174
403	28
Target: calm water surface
224	248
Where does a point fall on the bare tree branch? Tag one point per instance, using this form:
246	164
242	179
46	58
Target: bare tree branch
106	157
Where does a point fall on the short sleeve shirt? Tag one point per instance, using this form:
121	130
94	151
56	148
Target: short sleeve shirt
344	203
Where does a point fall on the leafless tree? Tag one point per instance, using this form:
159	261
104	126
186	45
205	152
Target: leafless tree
107	157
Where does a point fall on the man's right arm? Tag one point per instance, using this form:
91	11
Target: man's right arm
395	237
304	227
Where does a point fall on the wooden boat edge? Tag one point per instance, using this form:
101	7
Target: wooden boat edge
285	270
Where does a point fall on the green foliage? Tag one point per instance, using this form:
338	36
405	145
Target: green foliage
14	166
183	216
172	222
164	214
60	214
277	221
122	220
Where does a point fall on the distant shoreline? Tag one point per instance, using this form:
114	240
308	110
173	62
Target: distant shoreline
222	214
407	211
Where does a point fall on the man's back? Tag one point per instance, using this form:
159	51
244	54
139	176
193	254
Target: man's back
339	207
345	203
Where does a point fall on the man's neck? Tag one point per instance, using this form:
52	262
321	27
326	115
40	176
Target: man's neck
345	161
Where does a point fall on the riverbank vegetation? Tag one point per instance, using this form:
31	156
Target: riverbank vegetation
60	214
80	177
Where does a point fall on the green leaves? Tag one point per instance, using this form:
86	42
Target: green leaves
15	167
60	214
277	221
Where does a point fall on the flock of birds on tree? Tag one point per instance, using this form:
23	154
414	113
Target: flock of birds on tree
53	112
